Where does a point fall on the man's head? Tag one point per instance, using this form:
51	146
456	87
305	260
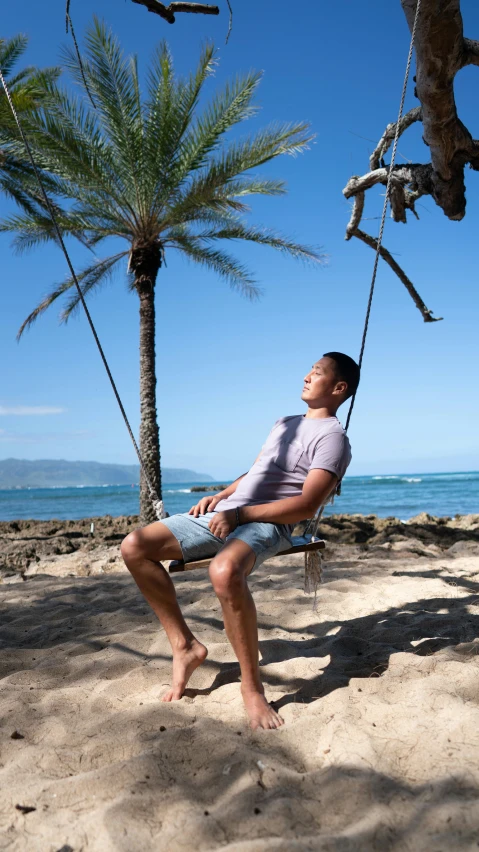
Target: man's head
332	380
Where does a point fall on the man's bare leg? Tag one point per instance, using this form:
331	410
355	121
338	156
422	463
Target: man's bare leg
142	551
228	572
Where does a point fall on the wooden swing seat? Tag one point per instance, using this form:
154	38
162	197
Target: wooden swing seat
301	544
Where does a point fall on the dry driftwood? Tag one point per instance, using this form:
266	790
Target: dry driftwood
169	12
441	51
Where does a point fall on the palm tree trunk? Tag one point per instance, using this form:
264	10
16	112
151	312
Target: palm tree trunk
145	264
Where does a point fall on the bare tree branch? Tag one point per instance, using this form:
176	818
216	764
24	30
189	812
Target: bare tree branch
356	215
441	51
387	256
168	12
415	175
397	199
387	138
471	52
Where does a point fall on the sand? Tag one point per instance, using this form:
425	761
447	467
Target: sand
378	688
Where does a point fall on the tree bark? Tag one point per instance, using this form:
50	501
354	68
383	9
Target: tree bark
441	51
168	12
145	263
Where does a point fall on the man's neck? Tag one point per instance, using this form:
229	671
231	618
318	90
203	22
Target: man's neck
319	413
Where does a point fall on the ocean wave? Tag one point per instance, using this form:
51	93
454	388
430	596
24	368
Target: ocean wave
386	477
451	477
411	479
178	491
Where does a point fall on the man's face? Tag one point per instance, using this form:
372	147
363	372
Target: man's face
321	385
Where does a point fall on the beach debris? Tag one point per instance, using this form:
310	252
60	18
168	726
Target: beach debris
17	736
25	809
92	528
227	769
262	767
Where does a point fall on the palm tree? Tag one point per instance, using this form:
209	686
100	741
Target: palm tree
27	89
156	172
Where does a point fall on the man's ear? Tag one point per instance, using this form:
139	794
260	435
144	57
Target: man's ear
341	388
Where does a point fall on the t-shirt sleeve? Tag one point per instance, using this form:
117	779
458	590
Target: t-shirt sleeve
332	453
275	426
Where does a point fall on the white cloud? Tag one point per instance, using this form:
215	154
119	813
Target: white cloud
43	437
29	410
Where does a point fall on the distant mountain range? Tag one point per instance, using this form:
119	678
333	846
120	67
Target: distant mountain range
46	473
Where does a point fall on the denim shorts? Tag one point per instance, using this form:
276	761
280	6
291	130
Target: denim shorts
198	542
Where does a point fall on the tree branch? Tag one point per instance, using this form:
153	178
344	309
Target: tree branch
168	12
471	52
387	138
415	175
356	215
387	256
441	51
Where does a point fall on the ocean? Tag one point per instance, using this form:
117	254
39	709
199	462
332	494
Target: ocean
402	496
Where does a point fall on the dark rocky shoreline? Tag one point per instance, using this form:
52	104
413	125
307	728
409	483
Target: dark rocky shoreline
28	547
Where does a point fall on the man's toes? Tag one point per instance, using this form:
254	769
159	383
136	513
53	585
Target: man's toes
176	693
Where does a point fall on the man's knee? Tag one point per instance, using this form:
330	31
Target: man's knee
227	577
133	547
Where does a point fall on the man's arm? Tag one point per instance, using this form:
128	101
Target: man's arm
207	504
316	489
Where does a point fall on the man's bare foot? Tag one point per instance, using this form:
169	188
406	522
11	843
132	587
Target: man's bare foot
260	713
184	664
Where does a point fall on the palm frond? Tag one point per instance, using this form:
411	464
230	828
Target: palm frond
90	277
229	107
35	227
11	50
255	151
112	78
170	106
80	161
220	202
211	186
222	263
30	231
26	87
260	236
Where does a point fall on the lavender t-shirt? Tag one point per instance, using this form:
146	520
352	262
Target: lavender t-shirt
294	446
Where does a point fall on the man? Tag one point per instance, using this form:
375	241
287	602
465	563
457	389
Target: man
299	466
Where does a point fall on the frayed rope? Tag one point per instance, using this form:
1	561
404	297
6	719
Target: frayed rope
313	569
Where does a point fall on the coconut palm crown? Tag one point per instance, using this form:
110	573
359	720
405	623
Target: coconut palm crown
157	172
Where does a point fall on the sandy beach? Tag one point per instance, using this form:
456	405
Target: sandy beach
378	687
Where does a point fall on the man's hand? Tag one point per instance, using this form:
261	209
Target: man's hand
206	504
223	523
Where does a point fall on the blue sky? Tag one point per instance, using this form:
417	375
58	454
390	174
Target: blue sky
228	368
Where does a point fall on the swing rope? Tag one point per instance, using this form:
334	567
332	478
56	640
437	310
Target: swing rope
315	522
385	205
156	502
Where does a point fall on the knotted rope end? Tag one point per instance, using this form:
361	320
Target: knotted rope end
313	569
